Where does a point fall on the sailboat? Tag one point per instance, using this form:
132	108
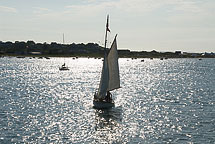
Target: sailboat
63	67
110	79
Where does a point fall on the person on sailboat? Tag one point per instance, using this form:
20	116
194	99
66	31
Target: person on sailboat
109	96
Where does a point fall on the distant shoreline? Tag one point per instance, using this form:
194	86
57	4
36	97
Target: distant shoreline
32	49
100	56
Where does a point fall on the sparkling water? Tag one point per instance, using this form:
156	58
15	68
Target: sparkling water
160	101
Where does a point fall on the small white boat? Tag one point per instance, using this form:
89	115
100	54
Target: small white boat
64	67
110	79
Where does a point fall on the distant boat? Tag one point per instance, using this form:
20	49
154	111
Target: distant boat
110	79
20	57
142	60
63	67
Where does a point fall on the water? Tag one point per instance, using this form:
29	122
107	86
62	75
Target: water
169	101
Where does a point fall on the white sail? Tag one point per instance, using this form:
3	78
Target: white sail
103	86
110	72
113	67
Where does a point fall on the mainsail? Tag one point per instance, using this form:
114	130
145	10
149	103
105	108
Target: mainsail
113	67
110	72
104	81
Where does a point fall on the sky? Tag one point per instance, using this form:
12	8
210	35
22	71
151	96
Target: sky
141	25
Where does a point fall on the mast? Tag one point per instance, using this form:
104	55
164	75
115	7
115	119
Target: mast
63	46
63	38
103	86
107	29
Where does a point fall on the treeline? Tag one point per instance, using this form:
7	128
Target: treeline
32	48
89	50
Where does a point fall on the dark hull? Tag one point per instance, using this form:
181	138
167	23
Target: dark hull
64	68
102	104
